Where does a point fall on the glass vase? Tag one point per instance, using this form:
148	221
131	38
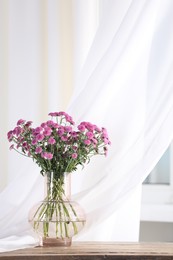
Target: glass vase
57	219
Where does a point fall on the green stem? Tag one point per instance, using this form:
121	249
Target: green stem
55	207
60	220
56	221
66	170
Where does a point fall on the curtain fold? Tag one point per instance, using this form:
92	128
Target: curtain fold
136	110
123	82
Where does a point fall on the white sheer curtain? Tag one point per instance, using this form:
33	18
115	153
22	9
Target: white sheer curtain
127	71
124	83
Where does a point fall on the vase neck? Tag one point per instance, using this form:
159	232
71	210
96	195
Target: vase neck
56	188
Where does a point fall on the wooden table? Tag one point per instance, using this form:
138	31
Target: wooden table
95	251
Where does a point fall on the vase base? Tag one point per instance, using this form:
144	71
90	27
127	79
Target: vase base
56	242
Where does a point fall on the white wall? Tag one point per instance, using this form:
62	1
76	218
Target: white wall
36	74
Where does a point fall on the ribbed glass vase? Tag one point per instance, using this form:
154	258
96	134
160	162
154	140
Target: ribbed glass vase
57	219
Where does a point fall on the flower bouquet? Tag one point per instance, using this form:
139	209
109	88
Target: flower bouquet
58	148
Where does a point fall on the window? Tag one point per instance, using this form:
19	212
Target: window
157	191
161	173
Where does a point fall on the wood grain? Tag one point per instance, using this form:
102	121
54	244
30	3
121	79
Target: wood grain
95	251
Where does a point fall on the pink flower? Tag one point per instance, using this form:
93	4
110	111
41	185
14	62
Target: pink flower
38	129
81	128
43	125
20	122
43	155
94	141
60	131
29	123
51	140
73	134
18	130
89	126
34	142
50	123
64	138
10	135
47	131
67	129
69	119
53	114
89	135
55	125
61	113
74	155
25	144
105	140
46	155
12	147
38	150
104	132
87	142
57	136
49	156
96	128
39	137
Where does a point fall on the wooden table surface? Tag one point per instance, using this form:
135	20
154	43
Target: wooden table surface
95	251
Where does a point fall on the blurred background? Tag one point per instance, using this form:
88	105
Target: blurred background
38	42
